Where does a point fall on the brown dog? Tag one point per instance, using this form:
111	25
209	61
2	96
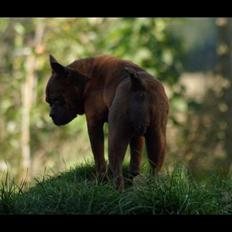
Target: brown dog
107	89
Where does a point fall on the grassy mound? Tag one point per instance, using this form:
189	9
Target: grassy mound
78	192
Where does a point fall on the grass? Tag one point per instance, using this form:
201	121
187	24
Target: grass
78	192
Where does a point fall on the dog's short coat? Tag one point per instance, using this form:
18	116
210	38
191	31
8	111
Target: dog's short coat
107	89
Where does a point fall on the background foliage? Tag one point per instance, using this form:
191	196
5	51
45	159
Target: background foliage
188	55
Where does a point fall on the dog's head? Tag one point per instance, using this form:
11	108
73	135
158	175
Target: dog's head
64	93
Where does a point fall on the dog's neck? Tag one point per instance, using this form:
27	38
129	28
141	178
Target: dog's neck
89	66
92	67
84	66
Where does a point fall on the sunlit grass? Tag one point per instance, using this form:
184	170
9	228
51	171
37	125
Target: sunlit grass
77	191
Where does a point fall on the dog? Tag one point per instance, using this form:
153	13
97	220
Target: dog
118	92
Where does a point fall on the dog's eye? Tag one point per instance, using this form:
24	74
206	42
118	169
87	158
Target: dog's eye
56	101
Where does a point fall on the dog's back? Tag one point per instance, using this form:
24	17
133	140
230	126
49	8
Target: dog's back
107	72
107	89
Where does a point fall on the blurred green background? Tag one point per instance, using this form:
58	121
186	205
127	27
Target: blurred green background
191	56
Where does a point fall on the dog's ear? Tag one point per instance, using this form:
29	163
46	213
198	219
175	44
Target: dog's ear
136	82
56	67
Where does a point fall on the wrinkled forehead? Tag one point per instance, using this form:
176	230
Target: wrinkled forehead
54	86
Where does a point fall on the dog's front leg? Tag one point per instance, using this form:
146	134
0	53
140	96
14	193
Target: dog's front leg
96	136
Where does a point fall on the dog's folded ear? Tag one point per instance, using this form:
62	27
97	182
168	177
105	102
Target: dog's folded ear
136	82
56	66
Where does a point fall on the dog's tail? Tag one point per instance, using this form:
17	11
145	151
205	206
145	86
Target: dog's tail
139	115
137	84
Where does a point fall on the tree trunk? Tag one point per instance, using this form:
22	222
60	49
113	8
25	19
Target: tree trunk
28	91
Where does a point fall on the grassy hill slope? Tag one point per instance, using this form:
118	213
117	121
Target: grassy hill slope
78	192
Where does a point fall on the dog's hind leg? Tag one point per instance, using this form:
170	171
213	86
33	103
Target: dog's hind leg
155	143
118	142
136	146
